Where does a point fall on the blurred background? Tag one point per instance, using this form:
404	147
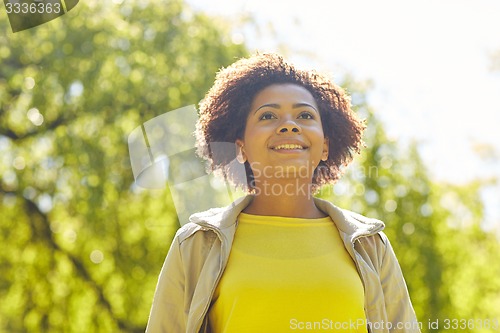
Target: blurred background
82	245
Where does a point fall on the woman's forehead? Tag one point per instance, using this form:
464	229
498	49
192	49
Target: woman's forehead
282	94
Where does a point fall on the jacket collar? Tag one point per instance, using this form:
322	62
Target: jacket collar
350	224
224	217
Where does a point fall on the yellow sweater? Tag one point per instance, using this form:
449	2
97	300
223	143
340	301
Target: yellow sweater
287	275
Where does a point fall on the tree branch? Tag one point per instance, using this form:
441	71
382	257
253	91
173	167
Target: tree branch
40	225
61	120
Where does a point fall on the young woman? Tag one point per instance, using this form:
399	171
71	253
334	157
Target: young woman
279	259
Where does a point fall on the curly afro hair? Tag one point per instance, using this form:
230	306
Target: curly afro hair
224	110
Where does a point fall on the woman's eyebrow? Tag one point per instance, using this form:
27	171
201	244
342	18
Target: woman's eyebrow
274	106
295	106
300	105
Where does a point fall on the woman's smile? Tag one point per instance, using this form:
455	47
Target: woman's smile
288	147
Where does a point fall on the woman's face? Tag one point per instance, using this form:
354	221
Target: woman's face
283	134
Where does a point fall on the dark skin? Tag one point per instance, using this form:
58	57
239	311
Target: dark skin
284	143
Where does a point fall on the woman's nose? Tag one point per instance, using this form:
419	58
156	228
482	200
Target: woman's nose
288	127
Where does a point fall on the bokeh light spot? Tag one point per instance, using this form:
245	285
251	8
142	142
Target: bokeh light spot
19	163
29	82
408	228
390	205
35	116
96	256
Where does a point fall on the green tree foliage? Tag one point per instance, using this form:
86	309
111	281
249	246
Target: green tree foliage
450	263
81	245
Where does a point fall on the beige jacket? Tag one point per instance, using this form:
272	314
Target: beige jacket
200	250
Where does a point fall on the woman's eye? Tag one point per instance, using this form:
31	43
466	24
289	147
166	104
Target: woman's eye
267	116
306	115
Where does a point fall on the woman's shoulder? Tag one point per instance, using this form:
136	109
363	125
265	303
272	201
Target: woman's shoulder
352	224
364	219
213	222
191	229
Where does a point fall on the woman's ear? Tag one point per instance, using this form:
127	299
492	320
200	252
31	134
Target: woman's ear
240	152
326	143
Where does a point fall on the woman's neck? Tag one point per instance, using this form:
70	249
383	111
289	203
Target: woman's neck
288	200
